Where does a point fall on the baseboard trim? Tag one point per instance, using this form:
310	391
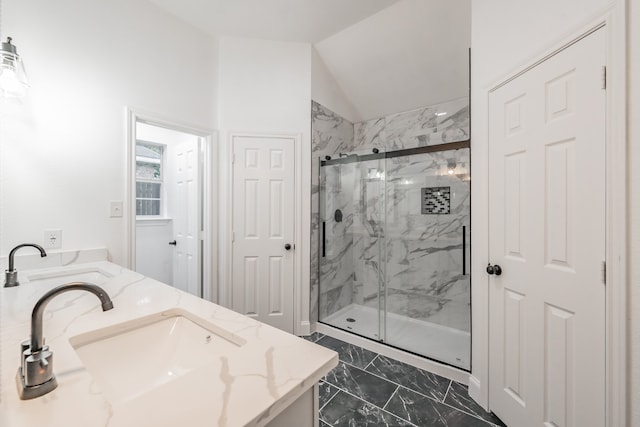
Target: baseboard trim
475	392
304	328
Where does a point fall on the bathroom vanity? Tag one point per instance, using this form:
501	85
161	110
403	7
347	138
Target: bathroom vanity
161	357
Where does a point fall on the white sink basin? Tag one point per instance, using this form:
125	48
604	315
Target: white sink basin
90	274
130	359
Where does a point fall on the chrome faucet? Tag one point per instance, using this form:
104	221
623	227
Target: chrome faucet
11	275
35	376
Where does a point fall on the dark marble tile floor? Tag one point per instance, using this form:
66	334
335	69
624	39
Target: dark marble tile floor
368	389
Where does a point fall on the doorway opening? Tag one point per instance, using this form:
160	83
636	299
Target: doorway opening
171	194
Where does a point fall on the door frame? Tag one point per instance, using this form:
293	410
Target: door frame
614	22
300	292
208	262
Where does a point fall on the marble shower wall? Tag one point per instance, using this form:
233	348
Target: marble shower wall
436	124
331	135
418	254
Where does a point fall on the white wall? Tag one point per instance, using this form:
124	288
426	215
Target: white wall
326	91
506	35
265	87
154	255
634	203
63	152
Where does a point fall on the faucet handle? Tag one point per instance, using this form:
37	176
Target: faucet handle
25	351
25	348
39	368
35	377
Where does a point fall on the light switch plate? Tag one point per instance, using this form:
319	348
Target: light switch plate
115	208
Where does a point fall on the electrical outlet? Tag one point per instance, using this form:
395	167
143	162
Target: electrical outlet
53	239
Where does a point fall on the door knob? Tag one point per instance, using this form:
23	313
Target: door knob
287	246
174	243
494	269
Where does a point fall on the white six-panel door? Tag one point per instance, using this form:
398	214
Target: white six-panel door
263	226
547	233
186	223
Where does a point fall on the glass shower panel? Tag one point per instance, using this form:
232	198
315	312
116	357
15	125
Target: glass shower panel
336	247
351	274
427	263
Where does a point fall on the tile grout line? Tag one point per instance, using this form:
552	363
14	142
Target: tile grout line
402	418
468	412
398	386
391	397
330	399
471	414
489	423
378	355
390	381
405	387
447	393
369	364
369	403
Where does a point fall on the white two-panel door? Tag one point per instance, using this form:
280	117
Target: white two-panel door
263	229
547	233
186	221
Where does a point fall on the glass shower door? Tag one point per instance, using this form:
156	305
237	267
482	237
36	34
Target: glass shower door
394	246
427	264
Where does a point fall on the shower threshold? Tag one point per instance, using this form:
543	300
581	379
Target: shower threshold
441	343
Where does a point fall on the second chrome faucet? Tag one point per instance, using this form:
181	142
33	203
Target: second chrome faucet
11	274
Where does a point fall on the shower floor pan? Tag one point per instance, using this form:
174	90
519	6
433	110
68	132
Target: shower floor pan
441	343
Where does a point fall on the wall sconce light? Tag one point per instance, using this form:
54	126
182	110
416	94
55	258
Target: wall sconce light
13	78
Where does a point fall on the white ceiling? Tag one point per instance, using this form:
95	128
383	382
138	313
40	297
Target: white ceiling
286	20
386	56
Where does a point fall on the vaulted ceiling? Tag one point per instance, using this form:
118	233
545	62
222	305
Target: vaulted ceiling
412	54
386	56
286	20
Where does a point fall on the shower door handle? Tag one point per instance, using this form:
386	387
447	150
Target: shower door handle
464	250
324	230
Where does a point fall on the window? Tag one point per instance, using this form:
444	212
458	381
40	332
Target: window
149	179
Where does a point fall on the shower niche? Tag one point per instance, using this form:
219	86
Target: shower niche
395	267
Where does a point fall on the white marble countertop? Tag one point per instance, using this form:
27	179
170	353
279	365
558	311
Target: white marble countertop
273	369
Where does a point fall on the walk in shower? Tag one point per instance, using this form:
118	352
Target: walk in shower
394	245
